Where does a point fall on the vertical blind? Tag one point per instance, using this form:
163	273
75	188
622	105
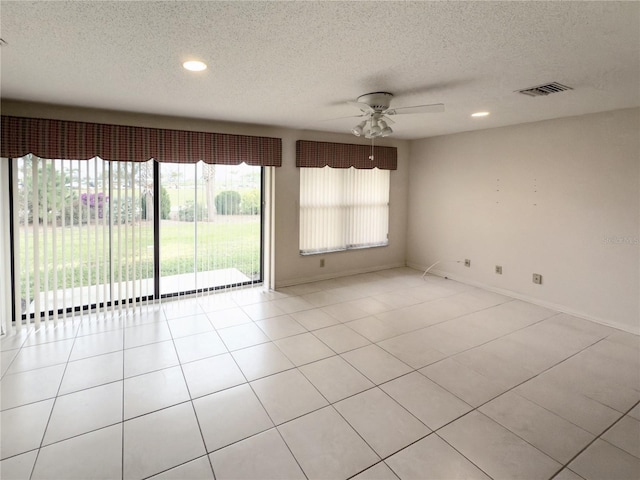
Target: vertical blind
343	209
81	239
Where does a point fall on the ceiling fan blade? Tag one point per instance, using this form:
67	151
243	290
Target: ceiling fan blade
366	109
348	116
433	108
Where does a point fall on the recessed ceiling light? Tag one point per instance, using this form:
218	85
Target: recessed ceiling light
194	65
480	114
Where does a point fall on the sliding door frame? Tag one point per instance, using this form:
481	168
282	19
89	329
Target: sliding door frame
198	290
73	309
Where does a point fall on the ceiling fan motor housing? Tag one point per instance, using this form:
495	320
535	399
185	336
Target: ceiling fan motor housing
379	101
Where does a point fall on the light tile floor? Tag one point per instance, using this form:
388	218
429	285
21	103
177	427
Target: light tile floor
377	376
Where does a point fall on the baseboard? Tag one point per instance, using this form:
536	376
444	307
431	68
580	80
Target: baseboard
329	276
527	298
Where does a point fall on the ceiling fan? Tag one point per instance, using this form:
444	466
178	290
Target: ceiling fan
375	108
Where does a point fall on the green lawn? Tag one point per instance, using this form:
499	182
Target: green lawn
235	244
180	196
219	245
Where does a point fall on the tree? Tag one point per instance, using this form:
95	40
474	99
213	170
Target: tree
144	178
146	182
209	174
174	177
46	174
165	205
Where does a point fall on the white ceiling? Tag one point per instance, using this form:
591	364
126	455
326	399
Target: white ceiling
295	64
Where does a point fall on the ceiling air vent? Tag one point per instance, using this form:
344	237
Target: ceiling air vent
542	90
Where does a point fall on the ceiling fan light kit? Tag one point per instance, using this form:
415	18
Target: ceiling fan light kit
375	108
386	129
359	129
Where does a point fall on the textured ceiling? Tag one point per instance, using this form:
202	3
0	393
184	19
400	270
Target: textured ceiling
295	64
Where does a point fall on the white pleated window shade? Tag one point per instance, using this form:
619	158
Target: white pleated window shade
80	237
343	208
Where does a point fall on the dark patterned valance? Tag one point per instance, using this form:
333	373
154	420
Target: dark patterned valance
61	139
345	155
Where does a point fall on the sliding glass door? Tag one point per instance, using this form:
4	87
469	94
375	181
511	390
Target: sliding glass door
211	228
94	234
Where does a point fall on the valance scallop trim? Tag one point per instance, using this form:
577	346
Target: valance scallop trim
62	139
345	155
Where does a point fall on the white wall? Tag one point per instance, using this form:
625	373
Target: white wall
289	267
559	197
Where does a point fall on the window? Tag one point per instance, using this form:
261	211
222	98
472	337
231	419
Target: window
344	195
343	208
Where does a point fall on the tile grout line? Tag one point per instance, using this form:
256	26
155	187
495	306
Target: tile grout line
546	370
435	431
329	404
193	407
514	433
373	466
55	400
374	386
598	437
290	451
122	436
26	337
247	382
265	410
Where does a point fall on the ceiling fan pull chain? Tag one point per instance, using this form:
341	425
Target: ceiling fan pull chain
371	156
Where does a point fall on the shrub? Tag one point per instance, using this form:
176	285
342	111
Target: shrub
187	211
76	213
123	210
95	200
250	202
228	202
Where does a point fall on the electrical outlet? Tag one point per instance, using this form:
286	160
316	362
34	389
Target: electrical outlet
467	262
537	279
499	269
322	263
